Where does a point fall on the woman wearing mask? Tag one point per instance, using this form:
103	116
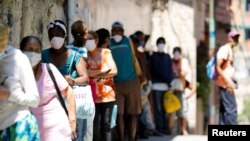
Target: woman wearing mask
104	38
79	32
101	69
18	92
179	84
62	57
49	108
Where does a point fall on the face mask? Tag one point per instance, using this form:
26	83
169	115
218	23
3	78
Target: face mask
141	43
117	38
161	47
177	56
57	42
34	57
2	55
90	45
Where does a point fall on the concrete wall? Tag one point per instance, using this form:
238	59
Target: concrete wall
177	26
30	17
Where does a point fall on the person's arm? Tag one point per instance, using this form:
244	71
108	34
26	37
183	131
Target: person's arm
28	93
82	72
191	88
111	65
68	93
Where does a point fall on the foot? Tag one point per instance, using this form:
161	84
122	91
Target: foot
144	135
184	132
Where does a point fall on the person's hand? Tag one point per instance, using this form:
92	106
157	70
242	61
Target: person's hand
70	80
105	69
230	89
72	124
4	93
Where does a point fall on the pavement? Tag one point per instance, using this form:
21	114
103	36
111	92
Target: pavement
177	138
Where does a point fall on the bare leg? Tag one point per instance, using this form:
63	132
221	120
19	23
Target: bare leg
132	127
120	126
184	126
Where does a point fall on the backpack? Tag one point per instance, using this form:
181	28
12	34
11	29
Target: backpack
211	68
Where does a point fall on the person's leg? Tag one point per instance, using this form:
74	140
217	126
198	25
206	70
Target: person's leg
132	127
120	98
106	121
133	106
81	129
96	136
160	119
230	107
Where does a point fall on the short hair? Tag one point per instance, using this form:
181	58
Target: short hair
177	49
139	33
160	39
26	39
102	35
94	34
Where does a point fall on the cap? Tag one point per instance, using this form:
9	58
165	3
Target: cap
233	34
117	24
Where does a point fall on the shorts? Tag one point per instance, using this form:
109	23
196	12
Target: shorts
182	112
128	97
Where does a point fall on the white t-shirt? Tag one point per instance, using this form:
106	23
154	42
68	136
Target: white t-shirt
22	85
226	53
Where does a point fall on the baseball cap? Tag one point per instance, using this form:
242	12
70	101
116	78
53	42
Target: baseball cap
233	34
117	24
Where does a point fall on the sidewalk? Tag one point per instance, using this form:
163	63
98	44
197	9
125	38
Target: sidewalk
177	138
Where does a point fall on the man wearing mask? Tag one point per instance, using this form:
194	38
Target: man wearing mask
126	81
226	81
161	73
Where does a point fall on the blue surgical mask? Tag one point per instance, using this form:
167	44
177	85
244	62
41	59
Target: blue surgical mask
141	43
2	55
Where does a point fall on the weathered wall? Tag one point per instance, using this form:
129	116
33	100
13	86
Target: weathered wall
135	14
177	26
30	17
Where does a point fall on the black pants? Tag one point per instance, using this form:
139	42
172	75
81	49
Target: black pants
228	108
102	121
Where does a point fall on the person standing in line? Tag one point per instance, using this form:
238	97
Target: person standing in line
162	75
61	57
225	80
101	69
146	123
79	31
104	38
49	107
181	69
127	83
18	92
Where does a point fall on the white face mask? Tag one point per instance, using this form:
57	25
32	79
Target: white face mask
90	45
34	57
57	42
177	56
161	47
117	38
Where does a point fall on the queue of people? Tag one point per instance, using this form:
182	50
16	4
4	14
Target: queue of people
37	92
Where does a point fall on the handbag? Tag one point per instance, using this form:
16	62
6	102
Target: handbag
85	106
59	95
171	102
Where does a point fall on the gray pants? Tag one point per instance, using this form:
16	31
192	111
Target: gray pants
228	108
